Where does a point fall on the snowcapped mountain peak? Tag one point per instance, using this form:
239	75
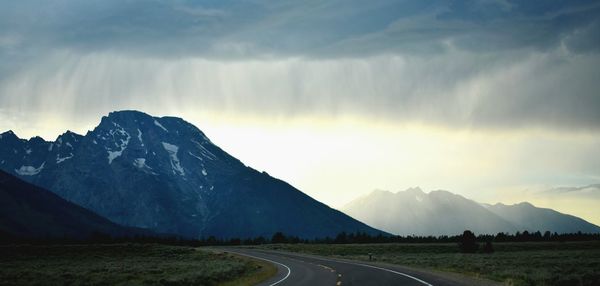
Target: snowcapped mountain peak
123	138
146	153
139	124
164	173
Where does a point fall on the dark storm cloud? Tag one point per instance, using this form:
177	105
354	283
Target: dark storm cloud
292	28
461	63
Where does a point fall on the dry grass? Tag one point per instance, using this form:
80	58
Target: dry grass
125	264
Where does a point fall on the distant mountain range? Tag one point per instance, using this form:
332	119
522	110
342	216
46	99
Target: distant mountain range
27	211
164	174
526	216
414	212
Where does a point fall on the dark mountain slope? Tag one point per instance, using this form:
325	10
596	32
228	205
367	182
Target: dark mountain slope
257	203
28	211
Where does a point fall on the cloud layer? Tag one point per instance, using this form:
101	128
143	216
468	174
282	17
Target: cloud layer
334	28
469	64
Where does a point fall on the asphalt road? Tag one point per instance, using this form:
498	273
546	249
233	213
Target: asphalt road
301	269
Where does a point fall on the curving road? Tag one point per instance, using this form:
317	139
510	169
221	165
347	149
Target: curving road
301	269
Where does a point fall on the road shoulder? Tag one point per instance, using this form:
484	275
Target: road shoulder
264	270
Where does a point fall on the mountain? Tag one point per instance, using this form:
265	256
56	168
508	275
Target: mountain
27	211
166	175
414	212
528	217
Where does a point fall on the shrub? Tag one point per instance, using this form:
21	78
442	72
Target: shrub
468	242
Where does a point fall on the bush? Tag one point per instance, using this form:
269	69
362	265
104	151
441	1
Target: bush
468	242
278	237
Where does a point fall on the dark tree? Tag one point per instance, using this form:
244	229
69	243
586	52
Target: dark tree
547	235
342	237
278	237
468	242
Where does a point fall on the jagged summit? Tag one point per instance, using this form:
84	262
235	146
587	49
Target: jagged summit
163	173
414	191
9	134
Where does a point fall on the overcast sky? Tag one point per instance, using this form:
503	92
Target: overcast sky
489	99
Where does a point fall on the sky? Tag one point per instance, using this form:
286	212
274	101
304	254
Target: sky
496	100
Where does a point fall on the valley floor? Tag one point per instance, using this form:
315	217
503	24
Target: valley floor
126	264
523	263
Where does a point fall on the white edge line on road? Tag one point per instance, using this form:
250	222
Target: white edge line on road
380	268
269	260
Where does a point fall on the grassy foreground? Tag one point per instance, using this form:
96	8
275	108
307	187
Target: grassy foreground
126	264
535	263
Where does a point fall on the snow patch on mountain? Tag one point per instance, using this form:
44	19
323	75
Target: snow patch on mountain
170	147
112	154
140	137
30	170
195	156
160	125
175	164
207	154
60	160
141	163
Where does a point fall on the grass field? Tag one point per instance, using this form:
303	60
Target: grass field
123	264
537	263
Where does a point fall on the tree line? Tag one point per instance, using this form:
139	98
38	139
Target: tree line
361	237
280	237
